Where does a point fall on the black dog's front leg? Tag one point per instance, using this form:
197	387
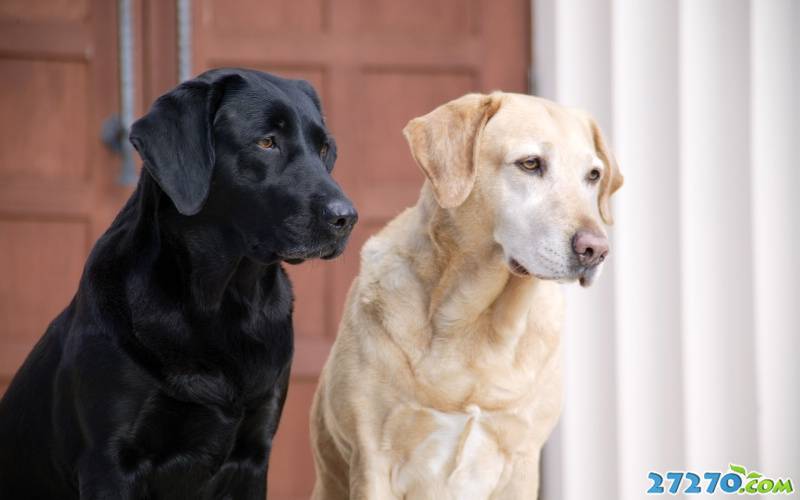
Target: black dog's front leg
100	479
251	484
249	470
275	409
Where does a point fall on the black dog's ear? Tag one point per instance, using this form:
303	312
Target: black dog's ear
176	140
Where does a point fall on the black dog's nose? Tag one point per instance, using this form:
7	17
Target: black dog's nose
341	215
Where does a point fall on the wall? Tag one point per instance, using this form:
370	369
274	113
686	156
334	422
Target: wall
685	355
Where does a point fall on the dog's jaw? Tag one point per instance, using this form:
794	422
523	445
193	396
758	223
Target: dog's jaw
588	275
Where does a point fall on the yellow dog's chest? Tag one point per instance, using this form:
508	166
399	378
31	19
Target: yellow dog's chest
452	455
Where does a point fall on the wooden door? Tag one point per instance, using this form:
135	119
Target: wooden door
376	64
57	181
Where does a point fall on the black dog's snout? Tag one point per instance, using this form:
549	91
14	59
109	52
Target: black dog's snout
340	215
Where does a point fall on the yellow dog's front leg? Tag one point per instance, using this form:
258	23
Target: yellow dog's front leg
523	481
370	476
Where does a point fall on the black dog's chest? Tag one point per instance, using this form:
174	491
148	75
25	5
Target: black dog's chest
204	428
188	450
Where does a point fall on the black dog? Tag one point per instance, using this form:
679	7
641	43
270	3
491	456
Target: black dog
166	375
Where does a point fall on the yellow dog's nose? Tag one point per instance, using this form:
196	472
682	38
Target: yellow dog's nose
590	247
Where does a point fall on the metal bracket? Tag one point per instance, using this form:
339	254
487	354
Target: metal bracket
115	137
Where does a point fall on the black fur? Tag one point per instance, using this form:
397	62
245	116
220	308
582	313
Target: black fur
166	375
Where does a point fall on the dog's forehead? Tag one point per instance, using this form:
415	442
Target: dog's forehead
523	121
265	91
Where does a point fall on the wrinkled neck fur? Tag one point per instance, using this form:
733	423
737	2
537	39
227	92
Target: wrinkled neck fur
469	280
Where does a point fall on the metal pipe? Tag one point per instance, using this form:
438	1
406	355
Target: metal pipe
126	92
184	29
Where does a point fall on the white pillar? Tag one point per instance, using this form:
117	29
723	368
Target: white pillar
775	56
647	242
716	256
543	40
588	425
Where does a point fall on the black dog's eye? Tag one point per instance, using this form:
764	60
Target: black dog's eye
531	164
323	151
594	175
266	142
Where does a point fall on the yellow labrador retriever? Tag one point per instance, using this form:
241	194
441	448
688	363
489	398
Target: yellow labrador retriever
444	381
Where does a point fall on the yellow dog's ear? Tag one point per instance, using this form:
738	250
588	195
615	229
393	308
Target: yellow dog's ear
612	178
444	144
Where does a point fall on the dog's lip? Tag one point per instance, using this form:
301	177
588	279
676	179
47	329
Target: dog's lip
586	276
583	275
325	252
517	268
332	254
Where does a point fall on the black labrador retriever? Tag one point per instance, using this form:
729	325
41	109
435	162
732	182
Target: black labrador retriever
166	376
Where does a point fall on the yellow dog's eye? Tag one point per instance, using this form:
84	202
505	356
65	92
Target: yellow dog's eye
267	143
594	175
531	164
323	150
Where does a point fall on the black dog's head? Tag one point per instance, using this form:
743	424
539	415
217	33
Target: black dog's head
249	150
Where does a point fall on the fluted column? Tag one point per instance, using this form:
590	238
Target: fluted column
716	237
588	427
647	241
775	175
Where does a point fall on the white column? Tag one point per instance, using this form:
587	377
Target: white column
588	425
716	256
775	56
543	40
647	241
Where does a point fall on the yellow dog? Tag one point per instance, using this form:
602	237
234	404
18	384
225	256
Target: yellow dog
444	381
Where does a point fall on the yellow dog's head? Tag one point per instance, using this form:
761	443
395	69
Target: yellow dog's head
538	177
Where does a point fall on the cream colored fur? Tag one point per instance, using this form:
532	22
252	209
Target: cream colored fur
444	381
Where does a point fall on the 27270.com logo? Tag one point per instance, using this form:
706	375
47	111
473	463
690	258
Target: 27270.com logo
736	482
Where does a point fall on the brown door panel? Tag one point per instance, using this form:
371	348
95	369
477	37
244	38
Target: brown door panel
57	191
